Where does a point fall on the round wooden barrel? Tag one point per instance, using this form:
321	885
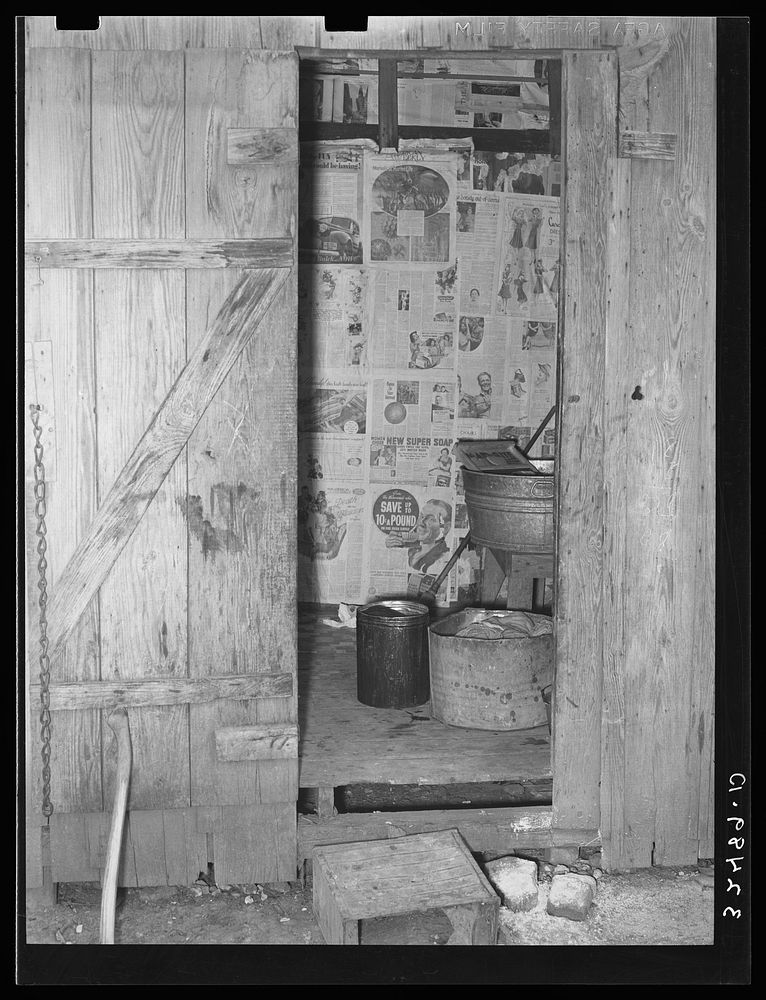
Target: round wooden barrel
392	654
488	683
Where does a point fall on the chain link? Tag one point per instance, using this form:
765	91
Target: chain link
42	586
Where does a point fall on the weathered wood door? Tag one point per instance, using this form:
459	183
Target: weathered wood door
153	180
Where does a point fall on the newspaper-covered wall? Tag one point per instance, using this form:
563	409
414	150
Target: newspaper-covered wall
428	313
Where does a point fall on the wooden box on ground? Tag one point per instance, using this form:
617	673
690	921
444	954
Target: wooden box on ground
383	878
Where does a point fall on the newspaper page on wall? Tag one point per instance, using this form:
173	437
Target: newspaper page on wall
446	332
332	417
409	538
410	209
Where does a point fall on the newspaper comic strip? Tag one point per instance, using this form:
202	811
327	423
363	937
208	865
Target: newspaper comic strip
330	182
528	258
409	538
412	432
410	209
343	98
333	317
414	318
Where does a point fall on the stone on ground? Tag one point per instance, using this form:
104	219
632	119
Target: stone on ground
561	855
571	896
515	879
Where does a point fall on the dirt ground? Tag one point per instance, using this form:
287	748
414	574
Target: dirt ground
649	907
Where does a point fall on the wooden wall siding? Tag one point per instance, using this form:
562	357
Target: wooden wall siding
177	32
590	140
466	32
657	773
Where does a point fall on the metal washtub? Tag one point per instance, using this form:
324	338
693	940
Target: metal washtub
511	512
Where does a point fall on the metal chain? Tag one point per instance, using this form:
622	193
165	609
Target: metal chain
42	585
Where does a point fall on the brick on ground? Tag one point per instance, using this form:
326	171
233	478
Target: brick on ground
571	896
515	879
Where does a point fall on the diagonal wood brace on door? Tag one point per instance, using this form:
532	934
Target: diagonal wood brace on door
161	444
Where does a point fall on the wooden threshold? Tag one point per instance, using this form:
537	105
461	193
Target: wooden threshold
483	830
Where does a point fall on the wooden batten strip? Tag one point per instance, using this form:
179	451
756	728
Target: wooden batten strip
273	741
260	253
648	145
261	145
154	455
154	691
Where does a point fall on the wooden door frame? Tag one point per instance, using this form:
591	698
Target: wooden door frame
589	146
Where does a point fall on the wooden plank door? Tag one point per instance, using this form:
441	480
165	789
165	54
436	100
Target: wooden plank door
131	158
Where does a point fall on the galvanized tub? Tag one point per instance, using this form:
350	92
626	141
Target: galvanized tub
511	512
392	654
488	683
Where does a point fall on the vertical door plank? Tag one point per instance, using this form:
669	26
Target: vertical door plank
240	513
234	89
58	316
57	145
140	352
590	112
138	167
138	192
618	838
242	455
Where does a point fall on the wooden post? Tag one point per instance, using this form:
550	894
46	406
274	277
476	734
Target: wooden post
388	111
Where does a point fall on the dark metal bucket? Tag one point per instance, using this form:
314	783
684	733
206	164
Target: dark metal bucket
510	512
392	654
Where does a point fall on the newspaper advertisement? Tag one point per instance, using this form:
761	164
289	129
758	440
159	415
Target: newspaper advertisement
481	388
331	403
413	318
333	317
412	431
410	209
409	539
502	104
345	99
330	203
355	100
478	216
463	148
330	523
528	258
531	383
516	173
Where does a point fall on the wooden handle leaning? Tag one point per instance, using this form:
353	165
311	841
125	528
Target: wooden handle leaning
118	721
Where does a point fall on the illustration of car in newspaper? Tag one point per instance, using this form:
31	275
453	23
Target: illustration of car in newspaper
332	238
